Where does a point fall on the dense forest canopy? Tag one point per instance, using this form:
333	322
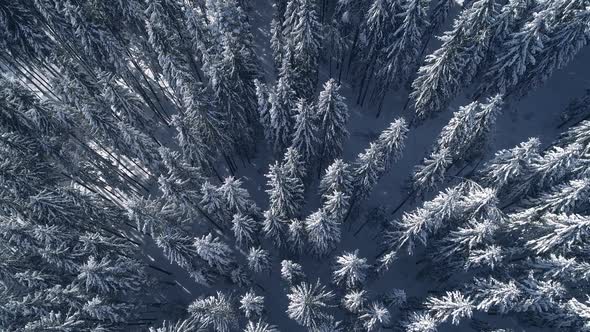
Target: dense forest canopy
180	165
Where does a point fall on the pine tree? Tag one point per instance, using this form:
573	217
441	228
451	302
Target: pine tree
336	205
452	305
466	135
456	62
355	300
369	167
276	42
307	303
375	316
282	104
333	114
338	177
372	164
236	197
432	170
519	52
323	232
212	201
350	269
244	228
305	133
507	168
285	191
252	305
402	55
302	32
565	35
215	312
274	228
421	322
258	260
293	165
296	236
291	271
260	326
216	253
560	232
262	98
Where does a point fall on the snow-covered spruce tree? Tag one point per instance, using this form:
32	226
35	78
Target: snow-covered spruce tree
537	298
553	37
541	171
262	99
420	322
506	169
465	136
212	201
285	192
350	270
456	62
336	205
471	245
296	236
252	305
305	134
372	164
180	186
195	150
354	301
375	316
462	202
258	260
237	198
518	52
323	232
334	44
291	272
375	33
568	270
402	55
232	69
293	164
282	104
165	36
333	116
568	197
577	134
277	42
244	229
578	107
308	303
216	311
217	254
338	178
274	228
303	37
453	306
178	248
260	326
560	233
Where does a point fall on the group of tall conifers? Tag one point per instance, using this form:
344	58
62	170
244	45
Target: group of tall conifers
127	120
